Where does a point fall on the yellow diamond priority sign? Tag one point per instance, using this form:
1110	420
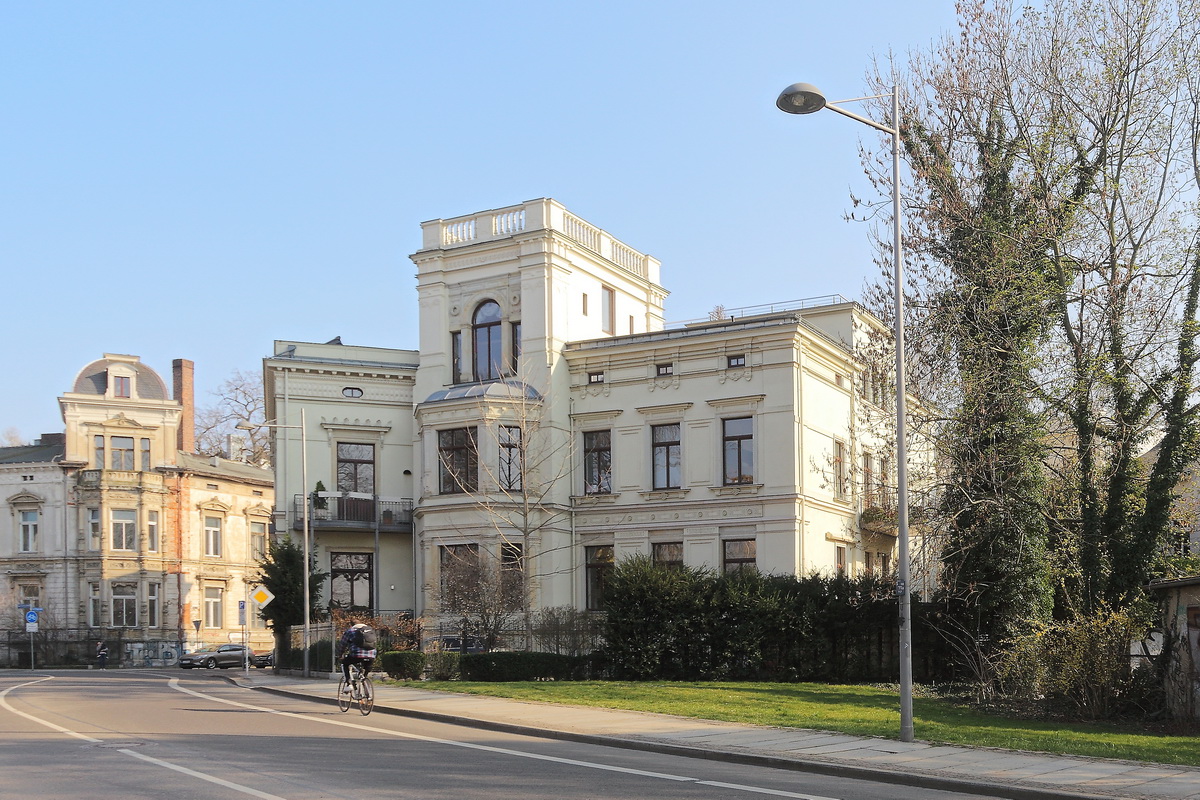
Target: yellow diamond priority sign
262	595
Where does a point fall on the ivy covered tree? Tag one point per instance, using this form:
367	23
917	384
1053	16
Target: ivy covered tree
282	573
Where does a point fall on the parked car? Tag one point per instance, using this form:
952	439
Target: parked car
263	658
455	644
224	657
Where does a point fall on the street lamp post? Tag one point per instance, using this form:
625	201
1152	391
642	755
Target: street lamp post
302	427
804	98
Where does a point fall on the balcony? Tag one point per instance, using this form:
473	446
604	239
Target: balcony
880	519
94	478
351	511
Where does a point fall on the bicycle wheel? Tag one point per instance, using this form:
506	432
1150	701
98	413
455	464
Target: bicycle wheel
366	695
343	696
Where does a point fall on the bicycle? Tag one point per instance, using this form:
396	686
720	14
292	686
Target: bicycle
362	691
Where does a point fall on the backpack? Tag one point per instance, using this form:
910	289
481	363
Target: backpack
365	638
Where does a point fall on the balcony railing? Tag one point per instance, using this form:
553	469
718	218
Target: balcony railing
354	510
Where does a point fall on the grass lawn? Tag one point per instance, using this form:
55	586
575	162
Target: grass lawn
859	710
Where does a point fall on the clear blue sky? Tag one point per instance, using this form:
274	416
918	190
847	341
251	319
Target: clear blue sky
196	180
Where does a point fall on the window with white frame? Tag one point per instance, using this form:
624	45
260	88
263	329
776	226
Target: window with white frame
839	469
258	541
122	452
153	598
94	528
94	607
212	537
214	612
152	531
124	529
29	531
124	605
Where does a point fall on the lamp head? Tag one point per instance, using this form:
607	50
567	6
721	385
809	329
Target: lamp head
246	426
801	98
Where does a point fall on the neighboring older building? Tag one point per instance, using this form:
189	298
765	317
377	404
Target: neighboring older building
117	533
550	418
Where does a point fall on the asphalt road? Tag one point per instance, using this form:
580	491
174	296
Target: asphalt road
176	735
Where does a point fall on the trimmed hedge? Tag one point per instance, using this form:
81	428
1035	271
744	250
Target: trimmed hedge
403	664
515	666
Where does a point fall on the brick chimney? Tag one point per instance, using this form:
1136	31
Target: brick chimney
182	378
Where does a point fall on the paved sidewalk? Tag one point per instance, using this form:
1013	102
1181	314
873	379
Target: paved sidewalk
999	773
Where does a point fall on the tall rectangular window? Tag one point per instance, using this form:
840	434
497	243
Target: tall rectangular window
29	531
122	452
145	445
512	575
511	461
152	604
152	531
258	541
599	564
458	462
666	456
738	440
93	605
214	611
608	310
515	329
120	386
356	467
597	462
668	554
458	573
94	528
98	443
124	605
868	480
839	559
212	537
839	469
124	529
456	362
739	554
351	577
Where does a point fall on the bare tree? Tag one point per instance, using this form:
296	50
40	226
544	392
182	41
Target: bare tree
238	399
514	470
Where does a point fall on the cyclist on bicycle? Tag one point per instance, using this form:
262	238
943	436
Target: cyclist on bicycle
353	650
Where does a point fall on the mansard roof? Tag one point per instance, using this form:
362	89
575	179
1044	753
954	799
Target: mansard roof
93	379
32	454
491	390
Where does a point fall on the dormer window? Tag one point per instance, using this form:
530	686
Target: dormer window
121	386
485	329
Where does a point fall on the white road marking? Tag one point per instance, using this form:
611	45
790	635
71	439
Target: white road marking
174	683
156	761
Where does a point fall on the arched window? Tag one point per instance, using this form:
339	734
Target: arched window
485	327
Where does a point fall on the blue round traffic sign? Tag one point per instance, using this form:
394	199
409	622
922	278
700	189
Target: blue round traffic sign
31	616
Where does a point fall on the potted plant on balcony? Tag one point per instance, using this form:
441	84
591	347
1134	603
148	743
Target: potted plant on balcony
318	501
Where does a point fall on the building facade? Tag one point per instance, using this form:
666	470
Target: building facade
118	533
550	420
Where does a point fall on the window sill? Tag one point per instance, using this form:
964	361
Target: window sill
595	499
737	489
664	494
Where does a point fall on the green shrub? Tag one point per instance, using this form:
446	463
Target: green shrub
1081	665
442	665
403	664
515	666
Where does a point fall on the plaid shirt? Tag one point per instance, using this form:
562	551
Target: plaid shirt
347	648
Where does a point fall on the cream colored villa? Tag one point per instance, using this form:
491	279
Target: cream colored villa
550	417
117	532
